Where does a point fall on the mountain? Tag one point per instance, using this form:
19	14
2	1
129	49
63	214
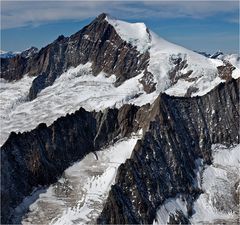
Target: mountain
109	84
217	55
106	44
234	59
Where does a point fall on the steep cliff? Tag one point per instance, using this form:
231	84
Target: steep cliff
163	163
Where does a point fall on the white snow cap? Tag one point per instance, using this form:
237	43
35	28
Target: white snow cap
134	33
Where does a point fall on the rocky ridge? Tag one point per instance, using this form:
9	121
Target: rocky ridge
163	163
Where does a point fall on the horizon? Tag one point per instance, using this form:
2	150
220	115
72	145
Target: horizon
199	26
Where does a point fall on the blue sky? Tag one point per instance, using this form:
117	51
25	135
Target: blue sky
199	25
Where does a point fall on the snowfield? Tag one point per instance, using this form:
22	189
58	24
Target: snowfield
205	74
220	184
77	87
78	197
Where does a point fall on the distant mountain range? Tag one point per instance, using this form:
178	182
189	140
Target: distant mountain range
26	53
234	59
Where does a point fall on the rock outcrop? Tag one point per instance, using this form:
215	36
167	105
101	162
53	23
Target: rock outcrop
98	43
163	163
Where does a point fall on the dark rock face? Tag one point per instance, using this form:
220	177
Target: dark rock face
148	82
162	164
175	74
225	71
98	43
13	68
40	156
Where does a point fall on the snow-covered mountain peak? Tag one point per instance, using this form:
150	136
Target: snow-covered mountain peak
134	33
107	72
174	69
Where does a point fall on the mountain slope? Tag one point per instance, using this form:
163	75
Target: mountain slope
175	135
164	163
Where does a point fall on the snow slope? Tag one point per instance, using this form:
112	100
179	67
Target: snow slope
78	197
77	87
234	59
